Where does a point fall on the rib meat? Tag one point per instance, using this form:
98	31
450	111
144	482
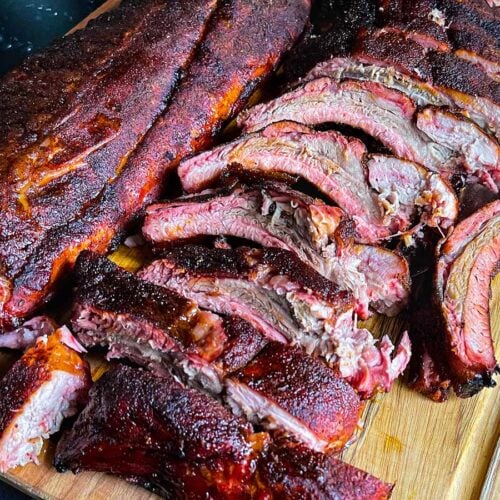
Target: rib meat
381	112
296	472
150	329
244	42
50	382
288	390
468	259
483	112
136	424
154	432
333	163
276	216
384	113
67	165
284	299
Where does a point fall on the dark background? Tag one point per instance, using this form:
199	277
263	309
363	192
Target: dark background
28	25
25	27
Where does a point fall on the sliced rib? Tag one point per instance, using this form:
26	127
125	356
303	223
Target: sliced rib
50	382
483	112
481	152
296	472
276	216
156	433
333	163
151	328
26	335
136	422
243	43
468	260
384	113
286	390
284	299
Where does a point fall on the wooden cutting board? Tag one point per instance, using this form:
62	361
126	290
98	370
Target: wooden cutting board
430	450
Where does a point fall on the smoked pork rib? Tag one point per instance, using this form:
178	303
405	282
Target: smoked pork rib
148	324
388	115
154	432
336	165
296	472
50	382
244	42
467	261
274	215
49	182
287	301
483	112
137	423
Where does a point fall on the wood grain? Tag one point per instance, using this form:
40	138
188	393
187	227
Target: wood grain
430	450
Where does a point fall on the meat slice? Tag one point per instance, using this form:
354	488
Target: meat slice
333	163
482	111
418	20
153	329
285	300
270	288
141	321
180	443
386	114
404	187
50	382
26	335
67	166
476	45
276	216
287	390
481	153
394	47
296	472
244	42
381	112
154	432
468	260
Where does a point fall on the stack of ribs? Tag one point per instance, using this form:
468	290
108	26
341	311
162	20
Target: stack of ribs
178	442
92	126
240	369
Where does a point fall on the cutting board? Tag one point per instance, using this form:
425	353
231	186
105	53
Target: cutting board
429	450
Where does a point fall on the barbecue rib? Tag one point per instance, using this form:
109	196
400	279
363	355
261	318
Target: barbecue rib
284	299
276	216
147	323
292	392
215	85
333	163
295	472
467	261
384	113
485	113
69	163
50	382
136	423
154	432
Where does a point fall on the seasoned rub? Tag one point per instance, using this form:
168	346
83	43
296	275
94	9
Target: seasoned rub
152	431
48	184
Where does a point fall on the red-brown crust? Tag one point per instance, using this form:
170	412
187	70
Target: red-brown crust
153	430
33	370
68	166
305	388
288	473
